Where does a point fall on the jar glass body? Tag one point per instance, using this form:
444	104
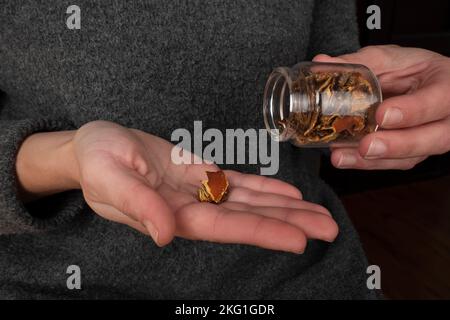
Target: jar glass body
316	104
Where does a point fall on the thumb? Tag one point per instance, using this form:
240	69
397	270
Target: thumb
130	193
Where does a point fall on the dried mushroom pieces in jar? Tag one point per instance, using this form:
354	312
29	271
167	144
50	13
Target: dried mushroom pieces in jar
338	107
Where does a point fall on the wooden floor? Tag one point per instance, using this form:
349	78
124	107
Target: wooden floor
406	231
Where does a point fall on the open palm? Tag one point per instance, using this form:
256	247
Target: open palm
127	176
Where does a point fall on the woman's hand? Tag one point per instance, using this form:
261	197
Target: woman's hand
415	113
127	176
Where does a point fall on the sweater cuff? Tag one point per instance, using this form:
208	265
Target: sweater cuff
47	213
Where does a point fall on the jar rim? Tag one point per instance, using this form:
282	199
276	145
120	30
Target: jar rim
277	102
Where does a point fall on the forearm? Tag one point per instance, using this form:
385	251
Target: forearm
46	165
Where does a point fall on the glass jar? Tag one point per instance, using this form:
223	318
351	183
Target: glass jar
315	104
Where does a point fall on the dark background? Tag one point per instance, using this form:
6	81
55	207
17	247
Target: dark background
413	23
403	217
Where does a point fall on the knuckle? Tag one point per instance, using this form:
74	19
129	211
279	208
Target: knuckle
390	46
387	49
375	49
367	48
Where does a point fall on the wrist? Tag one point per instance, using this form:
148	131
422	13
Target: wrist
46	164
69	170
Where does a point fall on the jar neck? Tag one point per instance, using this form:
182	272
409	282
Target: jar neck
278	103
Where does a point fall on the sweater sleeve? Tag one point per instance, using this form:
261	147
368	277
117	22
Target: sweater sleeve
47	213
334	28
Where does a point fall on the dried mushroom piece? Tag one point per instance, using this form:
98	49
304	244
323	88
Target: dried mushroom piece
214	189
337	101
350	124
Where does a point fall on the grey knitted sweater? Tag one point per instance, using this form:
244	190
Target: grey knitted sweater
157	66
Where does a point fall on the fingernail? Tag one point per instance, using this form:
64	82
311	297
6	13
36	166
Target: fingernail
346	160
376	149
392	116
152	230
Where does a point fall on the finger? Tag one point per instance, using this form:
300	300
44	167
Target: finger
328	59
139	201
364	57
349	158
428	139
379	59
314	225
129	193
429	103
394	83
264	199
213	223
262	184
